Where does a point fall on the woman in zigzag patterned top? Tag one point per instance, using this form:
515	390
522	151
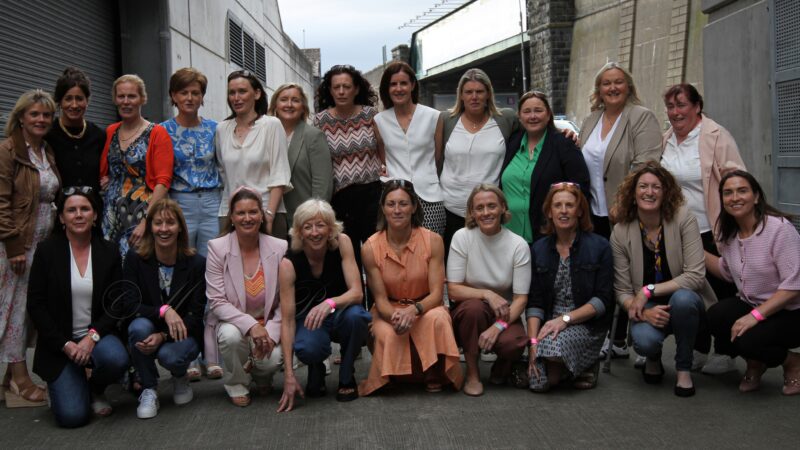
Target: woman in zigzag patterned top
346	110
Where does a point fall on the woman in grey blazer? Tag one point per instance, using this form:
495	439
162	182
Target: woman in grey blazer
309	156
618	136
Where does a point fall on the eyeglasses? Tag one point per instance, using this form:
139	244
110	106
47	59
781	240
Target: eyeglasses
72	190
562	184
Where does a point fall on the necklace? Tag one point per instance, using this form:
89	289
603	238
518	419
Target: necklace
474	126
73	136
130	136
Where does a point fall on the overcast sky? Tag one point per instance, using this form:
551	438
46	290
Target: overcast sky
351	31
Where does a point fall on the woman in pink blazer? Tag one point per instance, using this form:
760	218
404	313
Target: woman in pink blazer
242	289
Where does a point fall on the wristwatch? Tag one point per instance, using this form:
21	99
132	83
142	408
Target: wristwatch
566	318
94	335
652	288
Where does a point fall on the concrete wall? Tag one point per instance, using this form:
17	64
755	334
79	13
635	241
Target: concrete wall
198	35
737	58
660	42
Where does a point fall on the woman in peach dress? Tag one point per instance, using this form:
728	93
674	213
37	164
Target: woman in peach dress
413	332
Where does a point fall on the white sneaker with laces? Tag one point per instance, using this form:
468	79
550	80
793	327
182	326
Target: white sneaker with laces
181	391
698	360
148	404
617	352
719	364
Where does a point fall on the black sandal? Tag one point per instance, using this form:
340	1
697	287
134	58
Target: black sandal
347	396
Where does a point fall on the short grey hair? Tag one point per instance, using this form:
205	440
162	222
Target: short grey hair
308	210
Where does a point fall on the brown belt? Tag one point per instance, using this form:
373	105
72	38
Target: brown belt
406	301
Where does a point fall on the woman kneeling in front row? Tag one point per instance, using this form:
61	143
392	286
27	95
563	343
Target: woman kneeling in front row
571	302
320	302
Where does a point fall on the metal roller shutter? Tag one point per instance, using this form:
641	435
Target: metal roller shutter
38	39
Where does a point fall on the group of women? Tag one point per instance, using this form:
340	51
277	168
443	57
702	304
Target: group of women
172	241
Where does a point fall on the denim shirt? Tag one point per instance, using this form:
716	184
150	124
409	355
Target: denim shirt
591	269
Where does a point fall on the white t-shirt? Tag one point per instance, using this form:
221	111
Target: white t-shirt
683	160
410	155
594	153
81	296
501	262
260	162
470	159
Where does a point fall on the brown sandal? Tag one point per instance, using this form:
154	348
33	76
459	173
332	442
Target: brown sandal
26	395
241	400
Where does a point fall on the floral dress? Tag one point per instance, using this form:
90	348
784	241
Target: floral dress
578	345
127	196
14	292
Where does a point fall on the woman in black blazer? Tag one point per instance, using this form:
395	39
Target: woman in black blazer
169	278
537	156
73	314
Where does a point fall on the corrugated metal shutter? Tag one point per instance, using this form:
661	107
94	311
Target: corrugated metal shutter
786	104
38	39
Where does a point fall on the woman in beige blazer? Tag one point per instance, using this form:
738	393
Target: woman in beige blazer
617	137
659	271
242	290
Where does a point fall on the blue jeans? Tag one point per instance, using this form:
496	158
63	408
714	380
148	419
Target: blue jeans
173	356
200	209
348	327
70	392
686	311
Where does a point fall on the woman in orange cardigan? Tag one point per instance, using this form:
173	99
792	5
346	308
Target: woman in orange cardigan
135	167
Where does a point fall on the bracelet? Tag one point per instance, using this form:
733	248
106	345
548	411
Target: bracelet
534	341
501	325
331	303
163	310
759	317
420	308
269	213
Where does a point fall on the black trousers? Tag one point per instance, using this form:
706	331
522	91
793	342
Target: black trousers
356	207
453	222
602	226
768	341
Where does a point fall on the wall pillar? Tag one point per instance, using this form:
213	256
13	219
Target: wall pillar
550	25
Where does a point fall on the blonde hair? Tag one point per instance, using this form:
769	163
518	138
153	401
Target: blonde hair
25	101
481	77
597	102
486	187
130	78
273	101
308	210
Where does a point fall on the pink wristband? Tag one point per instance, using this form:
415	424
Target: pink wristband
331	303
759	317
501	324
163	310
646	292
534	341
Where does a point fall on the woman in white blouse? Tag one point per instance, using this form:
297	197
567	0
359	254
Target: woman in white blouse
252	150
411	136
474	134
698	151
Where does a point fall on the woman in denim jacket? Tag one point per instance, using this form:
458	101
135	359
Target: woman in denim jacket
571	297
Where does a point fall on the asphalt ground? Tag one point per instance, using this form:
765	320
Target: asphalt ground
622	412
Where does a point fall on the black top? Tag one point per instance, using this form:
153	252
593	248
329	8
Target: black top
310	291
649	269
50	299
559	160
78	160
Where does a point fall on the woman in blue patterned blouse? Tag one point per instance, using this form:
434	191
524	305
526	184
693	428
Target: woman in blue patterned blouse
196	183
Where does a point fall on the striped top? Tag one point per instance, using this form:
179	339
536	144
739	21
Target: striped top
766	261
353	146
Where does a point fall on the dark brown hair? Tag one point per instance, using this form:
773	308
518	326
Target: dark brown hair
70	78
726	224
386	79
184	77
405	185
584	218
323	98
689	91
551	124
671	194
261	105
243	193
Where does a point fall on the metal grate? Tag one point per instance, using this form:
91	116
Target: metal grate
788	99
787	30
235	43
261	63
249	52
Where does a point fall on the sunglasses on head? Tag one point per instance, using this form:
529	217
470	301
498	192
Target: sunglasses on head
399	182
561	184
241	73
72	190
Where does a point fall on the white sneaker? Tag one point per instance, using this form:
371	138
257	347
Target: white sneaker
616	351
639	362
148	404
488	357
698	360
181	391
719	364
327	364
